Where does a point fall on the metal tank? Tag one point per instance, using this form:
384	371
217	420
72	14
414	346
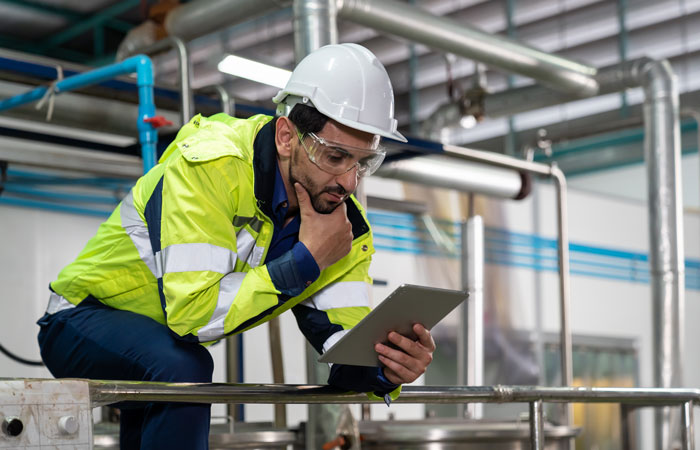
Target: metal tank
459	434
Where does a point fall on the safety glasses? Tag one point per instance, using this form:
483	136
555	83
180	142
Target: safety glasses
338	159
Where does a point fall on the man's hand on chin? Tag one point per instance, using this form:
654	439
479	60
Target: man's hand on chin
406	365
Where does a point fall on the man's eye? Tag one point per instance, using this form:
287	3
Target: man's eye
337	155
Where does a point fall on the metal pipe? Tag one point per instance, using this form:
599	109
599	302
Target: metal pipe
663	161
314	25
418	25
148	136
470	346
445	172
536	426
627	440
108	392
228	105
687	432
277	367
45	154
184	69
564	279
201	17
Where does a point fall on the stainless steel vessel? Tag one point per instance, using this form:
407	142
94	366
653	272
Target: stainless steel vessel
453	434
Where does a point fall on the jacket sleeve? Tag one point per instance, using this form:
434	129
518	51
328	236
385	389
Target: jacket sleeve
328	315
204	292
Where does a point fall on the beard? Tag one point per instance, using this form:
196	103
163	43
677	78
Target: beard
321	205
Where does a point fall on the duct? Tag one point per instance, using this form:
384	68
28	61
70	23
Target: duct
465	176
202	17
663	159
417	25
314	26
44	154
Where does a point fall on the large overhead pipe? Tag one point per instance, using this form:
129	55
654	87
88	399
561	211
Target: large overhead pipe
465	176
442	33
201	17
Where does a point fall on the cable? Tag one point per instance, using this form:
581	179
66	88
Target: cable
20	360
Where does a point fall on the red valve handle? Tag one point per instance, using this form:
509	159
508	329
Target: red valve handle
158	121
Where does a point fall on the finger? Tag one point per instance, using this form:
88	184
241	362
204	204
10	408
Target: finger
415	364
424	336
409	346
302	197
403	373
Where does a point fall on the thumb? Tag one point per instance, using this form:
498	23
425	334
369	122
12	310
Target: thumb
302	197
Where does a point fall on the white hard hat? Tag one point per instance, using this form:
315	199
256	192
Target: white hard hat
346	83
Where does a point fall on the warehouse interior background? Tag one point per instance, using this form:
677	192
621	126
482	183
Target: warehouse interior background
62	175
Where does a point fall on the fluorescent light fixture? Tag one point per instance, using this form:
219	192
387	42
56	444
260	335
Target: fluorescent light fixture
254	71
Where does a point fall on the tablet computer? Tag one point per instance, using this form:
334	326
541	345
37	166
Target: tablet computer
407	305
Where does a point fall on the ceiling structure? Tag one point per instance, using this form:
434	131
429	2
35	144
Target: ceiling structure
595	32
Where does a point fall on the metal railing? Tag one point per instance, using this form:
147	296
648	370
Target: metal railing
108	392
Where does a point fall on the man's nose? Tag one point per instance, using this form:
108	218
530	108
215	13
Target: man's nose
349	179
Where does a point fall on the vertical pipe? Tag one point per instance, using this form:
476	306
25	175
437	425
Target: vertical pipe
232	373
687	432
536	426
185	81
627	439
564	285
663	158
315	25
148	136
470	354
277	368
228	106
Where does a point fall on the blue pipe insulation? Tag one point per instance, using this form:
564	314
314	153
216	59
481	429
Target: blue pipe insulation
26	203
28	177
61	196
148	136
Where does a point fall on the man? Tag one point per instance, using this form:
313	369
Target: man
240	221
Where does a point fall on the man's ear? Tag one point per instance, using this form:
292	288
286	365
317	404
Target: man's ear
285	133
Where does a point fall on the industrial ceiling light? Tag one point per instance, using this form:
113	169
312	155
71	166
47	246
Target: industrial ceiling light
254	71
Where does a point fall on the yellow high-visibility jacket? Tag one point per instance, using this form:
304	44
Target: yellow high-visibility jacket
186	246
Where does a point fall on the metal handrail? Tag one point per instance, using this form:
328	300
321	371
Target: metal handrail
107	392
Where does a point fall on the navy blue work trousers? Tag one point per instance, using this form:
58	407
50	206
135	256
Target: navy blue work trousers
98	342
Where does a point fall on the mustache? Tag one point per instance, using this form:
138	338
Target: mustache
338	190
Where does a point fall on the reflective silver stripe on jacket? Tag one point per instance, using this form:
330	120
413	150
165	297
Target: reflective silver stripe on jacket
335	337
58	303
343	294
228	288
247	250
138	232
196	257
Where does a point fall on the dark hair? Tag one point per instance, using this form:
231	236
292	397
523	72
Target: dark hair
307	119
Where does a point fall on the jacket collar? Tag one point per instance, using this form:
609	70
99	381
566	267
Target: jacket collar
264	167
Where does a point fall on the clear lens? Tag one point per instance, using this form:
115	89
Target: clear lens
338	159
